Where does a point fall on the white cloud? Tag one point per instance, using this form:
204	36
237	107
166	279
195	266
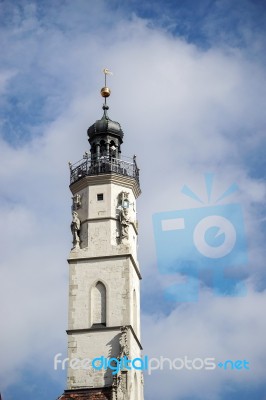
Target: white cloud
217	328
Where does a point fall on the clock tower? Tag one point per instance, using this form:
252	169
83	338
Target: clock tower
104	274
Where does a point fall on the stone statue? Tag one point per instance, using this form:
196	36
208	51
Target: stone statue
120	380
124	350
76	202
124	224
119	387
75	229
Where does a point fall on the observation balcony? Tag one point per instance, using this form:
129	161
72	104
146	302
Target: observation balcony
103	165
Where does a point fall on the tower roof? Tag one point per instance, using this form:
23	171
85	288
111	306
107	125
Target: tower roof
105	126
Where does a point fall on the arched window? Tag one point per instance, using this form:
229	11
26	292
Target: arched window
98	304
93	151
103	148
113	150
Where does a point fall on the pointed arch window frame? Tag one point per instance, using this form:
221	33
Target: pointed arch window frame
91	305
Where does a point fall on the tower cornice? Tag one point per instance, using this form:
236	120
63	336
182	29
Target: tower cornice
117	179
105	328
76	256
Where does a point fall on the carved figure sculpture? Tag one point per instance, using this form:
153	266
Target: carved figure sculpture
124	224
124	350
76	202
75	229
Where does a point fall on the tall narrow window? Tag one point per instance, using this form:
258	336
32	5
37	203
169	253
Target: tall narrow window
99	304
135	312
136	391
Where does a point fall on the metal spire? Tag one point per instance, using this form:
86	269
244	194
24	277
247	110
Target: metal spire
105	91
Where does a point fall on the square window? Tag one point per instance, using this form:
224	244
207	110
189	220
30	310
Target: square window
100	196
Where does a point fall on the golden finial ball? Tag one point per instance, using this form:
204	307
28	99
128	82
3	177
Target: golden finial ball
105	92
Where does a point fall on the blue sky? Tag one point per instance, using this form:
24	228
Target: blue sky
194	73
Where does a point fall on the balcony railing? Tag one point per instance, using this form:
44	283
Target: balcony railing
104	165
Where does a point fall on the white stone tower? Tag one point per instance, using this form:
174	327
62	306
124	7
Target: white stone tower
104	275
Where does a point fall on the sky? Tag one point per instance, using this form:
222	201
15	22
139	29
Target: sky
188	89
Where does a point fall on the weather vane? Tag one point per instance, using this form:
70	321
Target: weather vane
105	91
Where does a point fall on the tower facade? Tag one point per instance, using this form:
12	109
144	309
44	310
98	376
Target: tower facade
104	274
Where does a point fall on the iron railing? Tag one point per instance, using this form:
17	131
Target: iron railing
104	165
